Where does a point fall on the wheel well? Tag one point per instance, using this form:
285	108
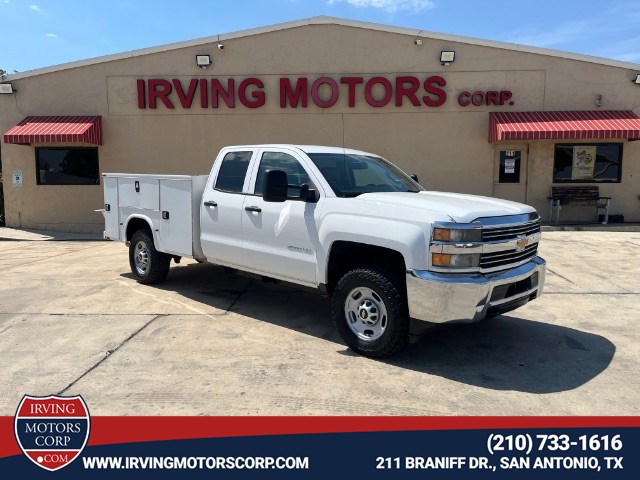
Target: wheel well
134	225
346	256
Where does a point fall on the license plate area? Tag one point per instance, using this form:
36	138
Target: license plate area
510	290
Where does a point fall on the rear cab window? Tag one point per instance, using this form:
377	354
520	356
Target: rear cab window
233	171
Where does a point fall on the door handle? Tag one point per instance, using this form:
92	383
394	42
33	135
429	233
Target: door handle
210	203
253	209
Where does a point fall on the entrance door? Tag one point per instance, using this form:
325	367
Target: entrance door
510	173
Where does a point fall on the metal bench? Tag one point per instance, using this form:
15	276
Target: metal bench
562	196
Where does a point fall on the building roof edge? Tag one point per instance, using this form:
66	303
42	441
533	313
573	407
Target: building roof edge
324	20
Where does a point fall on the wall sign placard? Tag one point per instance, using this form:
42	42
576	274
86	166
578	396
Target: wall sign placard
16	178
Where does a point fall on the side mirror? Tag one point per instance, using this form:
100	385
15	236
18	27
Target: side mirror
414	177
275	186
307	194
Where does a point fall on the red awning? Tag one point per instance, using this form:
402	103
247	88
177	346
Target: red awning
72	129
591	124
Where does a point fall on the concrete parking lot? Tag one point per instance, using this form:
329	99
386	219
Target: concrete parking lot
73	321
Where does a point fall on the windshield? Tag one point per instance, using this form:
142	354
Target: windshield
351	175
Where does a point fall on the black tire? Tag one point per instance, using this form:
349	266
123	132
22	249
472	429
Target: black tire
157	263
386	292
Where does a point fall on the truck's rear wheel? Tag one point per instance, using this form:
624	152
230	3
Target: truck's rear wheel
147	264
370	312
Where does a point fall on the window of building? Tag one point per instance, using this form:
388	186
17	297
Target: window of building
67	166
588	163
296	174
233	171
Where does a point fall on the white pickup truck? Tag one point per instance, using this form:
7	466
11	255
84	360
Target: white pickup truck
346	222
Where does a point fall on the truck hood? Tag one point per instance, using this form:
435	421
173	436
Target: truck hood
458	207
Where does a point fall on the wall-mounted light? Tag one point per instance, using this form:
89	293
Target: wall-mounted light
598	100
637	80
6	88
447	57
418	42
203	61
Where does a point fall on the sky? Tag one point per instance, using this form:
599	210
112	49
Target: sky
39	33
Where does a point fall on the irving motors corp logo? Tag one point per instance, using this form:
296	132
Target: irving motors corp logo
52	431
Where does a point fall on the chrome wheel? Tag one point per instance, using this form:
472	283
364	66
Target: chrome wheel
141	257
366	313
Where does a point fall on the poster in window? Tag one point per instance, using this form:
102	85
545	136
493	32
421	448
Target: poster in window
584	161
509	165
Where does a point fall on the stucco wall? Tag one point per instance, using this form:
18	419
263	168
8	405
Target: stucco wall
446	146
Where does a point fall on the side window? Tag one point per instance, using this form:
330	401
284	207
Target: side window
588	163
67	166
233	172
296	175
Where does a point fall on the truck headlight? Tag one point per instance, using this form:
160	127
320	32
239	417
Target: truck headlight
457	235
462	260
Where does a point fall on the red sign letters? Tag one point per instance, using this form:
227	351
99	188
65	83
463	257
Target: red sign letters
302	92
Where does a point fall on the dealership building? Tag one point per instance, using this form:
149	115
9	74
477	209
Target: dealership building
464	114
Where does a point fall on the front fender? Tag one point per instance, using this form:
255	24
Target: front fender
404	237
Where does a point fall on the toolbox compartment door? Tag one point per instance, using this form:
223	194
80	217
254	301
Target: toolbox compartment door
111	210
176	219
139	192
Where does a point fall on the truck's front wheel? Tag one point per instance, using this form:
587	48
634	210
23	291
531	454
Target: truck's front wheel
147	264
370	312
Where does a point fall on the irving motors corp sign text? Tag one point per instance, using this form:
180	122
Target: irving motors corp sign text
303	92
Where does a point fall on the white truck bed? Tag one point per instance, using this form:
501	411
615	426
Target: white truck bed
170	203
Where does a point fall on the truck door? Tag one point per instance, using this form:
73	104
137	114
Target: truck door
280	238
221	212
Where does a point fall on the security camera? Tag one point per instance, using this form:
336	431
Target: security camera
418	41
220	46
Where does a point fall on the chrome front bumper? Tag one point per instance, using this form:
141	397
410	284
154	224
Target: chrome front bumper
468	297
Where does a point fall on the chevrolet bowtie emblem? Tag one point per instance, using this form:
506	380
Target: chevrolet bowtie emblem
521	243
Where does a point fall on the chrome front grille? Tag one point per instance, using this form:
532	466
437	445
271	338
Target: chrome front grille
499	234
495	244
507	257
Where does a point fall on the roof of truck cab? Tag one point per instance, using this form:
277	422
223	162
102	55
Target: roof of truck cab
307	148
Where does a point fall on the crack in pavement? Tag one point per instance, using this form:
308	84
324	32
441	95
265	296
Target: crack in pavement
109	354
76	314
130	337
558	275
42	259
9	239
244	290
590	293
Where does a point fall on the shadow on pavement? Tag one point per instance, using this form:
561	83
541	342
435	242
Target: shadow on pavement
503	353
